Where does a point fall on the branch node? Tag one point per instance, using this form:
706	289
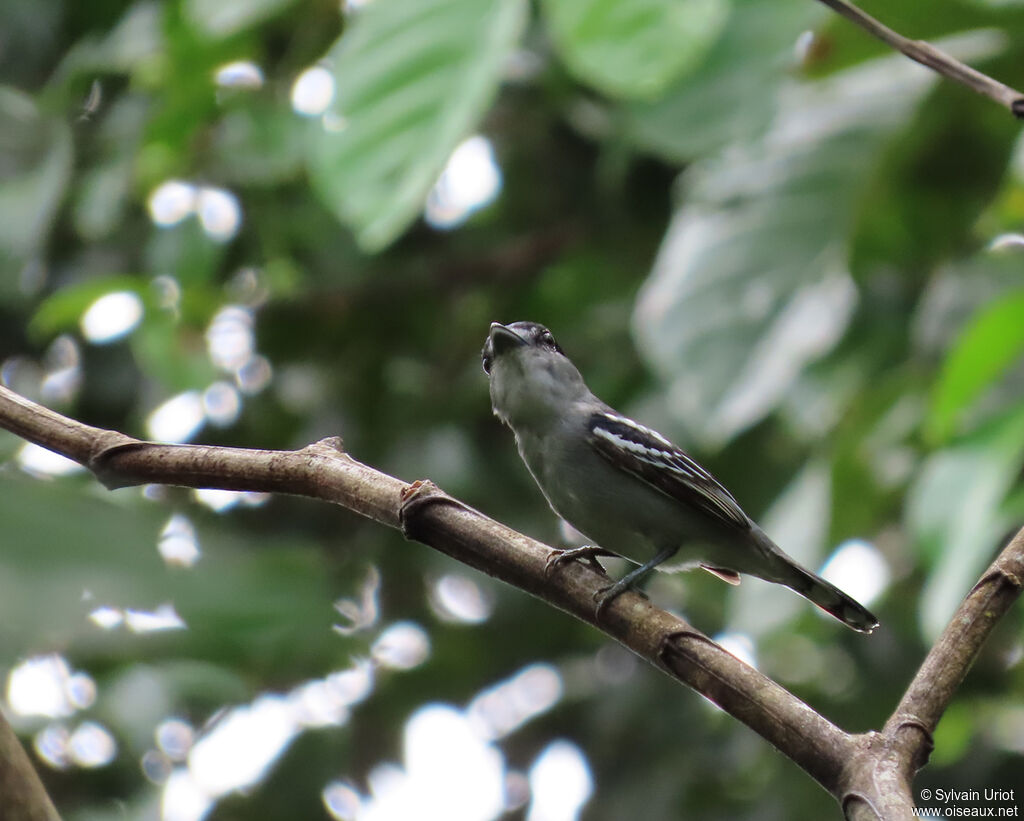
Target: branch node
997	574
1017	107
416	497
923	751
101	456
334	444
667	649
855	795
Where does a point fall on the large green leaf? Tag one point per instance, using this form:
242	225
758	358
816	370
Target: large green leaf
35	163
731	95
67	550
751	281
222	18
412	81
62	310
955	512
633	49
992	341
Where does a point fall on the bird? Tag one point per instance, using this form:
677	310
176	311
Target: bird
625	487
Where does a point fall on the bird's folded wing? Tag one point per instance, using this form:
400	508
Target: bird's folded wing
649	456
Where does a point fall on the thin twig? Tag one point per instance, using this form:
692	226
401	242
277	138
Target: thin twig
946	665
927	55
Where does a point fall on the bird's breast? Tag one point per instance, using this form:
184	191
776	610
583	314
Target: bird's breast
617	512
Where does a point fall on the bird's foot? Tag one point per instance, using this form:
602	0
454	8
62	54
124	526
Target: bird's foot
606	595
588	553
631	581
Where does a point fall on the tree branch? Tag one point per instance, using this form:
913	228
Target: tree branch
906	741
947	664
22	795
323	471
850	767
927	55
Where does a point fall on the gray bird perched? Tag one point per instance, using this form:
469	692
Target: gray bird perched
626	487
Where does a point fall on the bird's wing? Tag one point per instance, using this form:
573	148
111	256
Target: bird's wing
652	458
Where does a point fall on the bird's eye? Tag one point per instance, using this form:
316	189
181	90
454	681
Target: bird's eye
547	339
485	360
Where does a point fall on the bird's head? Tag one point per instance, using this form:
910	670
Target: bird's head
531	377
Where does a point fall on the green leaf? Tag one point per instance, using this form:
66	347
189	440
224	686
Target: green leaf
62	310
105	190
751	282
221	18
259	144
991	342
239	603
956	731
731	95
955	515
412	81
35	165
136	39
634	49
101	198
161	347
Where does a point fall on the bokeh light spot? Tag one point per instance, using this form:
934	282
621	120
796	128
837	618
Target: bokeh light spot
560	783
165	617
242	746
178	543
740	645
458	598
401	646
178	419
184	799
106	617
859	569
156	766
171	202
91	745
43	686
111	317
219	213
470	180
222	403
313	92
42	462
230	339
498	710
341	801
51	745
218	500
174	737
239	74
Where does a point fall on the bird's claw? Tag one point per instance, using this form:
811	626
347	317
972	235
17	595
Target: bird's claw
604	596
588	553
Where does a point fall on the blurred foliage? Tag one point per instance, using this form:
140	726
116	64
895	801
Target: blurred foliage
814	246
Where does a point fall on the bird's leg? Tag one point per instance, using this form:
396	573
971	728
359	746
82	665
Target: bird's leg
587	552
606	595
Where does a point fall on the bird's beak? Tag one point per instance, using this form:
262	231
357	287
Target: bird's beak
504	339
499	340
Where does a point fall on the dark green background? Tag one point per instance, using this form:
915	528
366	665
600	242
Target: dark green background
832	191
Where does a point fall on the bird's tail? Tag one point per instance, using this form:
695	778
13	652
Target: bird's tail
828	597
784	570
